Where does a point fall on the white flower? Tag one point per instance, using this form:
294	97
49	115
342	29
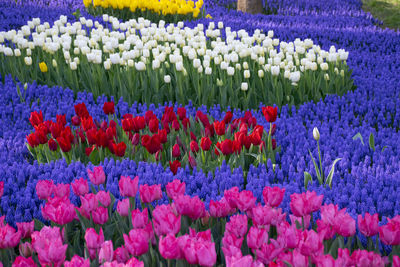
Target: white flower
54	63
324	66
167	79
197	63
28	61
208	71
140	66
220	25
76	51
326	77
245	65
261	60
261	73
246	74
315	133
211	26
73	65
155	64
275	70
342	73
244	87
17	52
220	82
295	76
130	63
105	17
180	24
115	58
179	66
270	34
8	51
224	65
238	66
230	71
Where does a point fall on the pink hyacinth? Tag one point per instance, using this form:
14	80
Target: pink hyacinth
44	188
237	225
273	196
169	247
106	252
246	200
369	224
100	215
256	237
77	261
305	203
165	220
151	193
94	241
80	187
123	207
192	207
175	188
48	244
137	243
97	176
128	187
24	262
26	228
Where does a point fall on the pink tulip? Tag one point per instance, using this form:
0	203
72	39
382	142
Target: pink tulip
137	243
133	262
59	210
269	252
106	252
200	236
88	204
344	224
369	225
288	235
169	248
344	258
298	259
262	216
246	200
324	261
300	220
206	253
123	207
192	207
44	188
1	188
220	209
367	258
273	196
100	215
140	218
104	198
24	262
151	193
175	188
26	228
80	187
25	249
121	254
231	240
94	241
241	261
232	252
396	261
305	203
329	213
128	187
165	220
77	261
237	225
311	243
113	264
256	237
325	229
232	196
9	237
62	190
389	234
48	244
97	176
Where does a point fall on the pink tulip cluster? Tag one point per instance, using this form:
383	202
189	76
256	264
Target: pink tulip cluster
173	230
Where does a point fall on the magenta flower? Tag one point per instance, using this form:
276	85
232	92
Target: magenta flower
344	224
100	215
269	252
273	196
169	247
305	203
324	260
1	188
325	229
77	261
389	234
192	207
88	204
232	196
48	244
200	236
165	220
220	209
246	200
123	207
367	258
128	187
256	237
288	235
140	219
24	262
133	262
311	243
106	252
237	225
151	193
9	237
137	243
231	240
94	241
44	188
299	220
104	198
369	225
264	216
59	210
175	188
25	249
329	213
396	261
206	253
121	254
242	261
61	190
80	187
26	228
97	176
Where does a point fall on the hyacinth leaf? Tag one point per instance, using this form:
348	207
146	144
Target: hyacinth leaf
372	142
307	179
359	136
316	169
330	175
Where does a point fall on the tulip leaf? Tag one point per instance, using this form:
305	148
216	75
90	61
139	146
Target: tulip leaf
372	142
307	179
330	175
316	169
359	136
383	149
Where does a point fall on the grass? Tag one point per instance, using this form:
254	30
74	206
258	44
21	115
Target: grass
388	11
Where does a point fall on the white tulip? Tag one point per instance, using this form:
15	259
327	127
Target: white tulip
246	74
140	66
261	73
167	79
130	63
208	71
245	65
28	61
326	77
197	63
316	134
244	87
8	52
54	63
324	66
275	70
220	25
73	65
179	66
295	76
155	64
17	52
230	71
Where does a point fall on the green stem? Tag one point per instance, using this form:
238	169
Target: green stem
320	163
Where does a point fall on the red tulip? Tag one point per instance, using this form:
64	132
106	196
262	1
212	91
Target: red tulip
174	166
205	143
181	113
33	140
270	113
194	147
75	120
119	149
175	125
153	125
228	117
36	118
227	147
219	127
81	110
109	108
176	152
64	144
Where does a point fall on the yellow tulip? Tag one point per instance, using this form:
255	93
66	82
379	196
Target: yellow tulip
43	67
208	16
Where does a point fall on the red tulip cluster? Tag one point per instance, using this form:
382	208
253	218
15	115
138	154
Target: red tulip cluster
171	233
174	139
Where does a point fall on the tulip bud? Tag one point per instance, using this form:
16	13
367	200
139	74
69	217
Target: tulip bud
316	134
244	86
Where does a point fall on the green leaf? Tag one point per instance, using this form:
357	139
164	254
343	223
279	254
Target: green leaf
307	178
383	149
359	136
330	175
316	169
372	142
